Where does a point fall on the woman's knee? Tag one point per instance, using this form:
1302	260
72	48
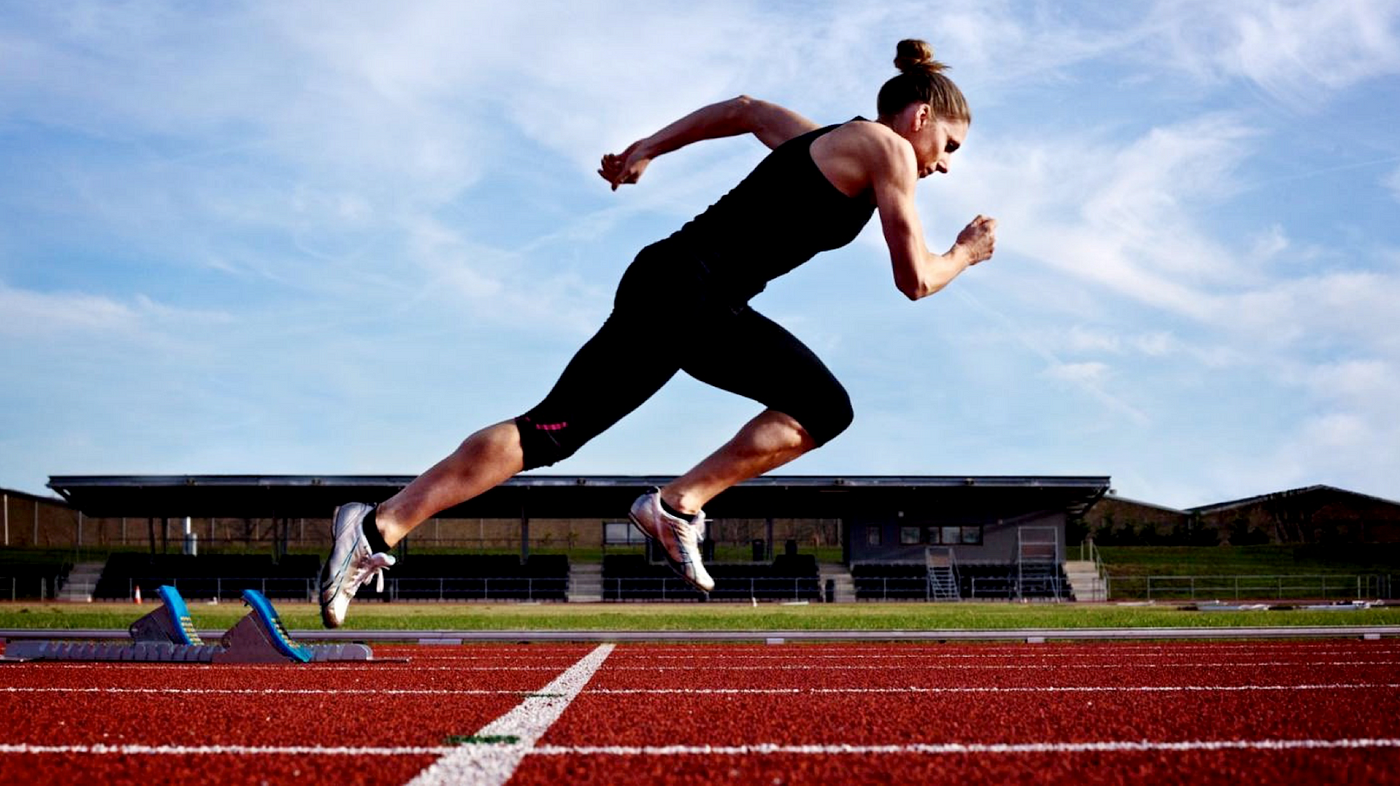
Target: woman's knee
831	415
544	443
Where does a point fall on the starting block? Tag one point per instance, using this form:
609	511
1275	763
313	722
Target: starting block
168	635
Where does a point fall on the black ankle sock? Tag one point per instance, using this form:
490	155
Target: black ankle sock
676	513
371	529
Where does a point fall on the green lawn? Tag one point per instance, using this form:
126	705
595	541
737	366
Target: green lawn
1249	560
701	616
1238	572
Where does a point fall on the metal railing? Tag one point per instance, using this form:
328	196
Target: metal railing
405	589
220	587
726	588
27	587
455	588
895	588
1256	587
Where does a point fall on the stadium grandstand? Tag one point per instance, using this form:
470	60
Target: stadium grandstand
563	538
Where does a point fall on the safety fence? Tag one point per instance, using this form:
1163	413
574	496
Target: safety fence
1252	587
896	588
432	590
221	588
727	588
28	587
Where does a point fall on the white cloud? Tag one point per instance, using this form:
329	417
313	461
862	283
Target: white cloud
36	314
1090	373
1392	182
1298	53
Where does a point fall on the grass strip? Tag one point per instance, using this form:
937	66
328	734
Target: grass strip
702	616
484	739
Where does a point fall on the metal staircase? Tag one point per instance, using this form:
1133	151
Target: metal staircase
942	573
1038	563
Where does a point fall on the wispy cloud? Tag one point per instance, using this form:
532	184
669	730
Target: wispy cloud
314	237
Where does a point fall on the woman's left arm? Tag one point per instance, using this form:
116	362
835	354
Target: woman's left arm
772	124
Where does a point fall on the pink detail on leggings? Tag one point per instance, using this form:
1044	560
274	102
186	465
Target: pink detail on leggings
551	426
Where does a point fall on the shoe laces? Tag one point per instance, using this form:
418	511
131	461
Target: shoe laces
372	569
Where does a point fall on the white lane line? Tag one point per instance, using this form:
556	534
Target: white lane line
711	691
1065	689
762	749
278	691
721	666
917	657
226	750
500	745
696	668
966	748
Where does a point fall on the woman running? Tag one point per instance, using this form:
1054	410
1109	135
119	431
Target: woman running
683	305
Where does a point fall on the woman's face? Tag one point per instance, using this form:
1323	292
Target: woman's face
945	136
934	139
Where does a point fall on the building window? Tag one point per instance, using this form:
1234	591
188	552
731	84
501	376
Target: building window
909	536
872	536
931	535
972	536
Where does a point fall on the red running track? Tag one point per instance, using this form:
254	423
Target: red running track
1203	712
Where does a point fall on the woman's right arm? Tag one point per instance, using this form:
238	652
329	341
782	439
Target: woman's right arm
919	272
772	124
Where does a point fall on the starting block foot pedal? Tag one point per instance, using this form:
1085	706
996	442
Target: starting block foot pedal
169	623
260	637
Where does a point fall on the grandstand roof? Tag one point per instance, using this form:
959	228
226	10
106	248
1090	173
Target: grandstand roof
1277	496
567	496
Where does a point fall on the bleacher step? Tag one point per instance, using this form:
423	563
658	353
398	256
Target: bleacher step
585	582
842	584
81	582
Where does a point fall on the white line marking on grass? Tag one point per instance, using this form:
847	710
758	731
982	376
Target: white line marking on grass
497	748
926	749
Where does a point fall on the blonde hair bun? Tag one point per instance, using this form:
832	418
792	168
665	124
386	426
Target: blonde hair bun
913	54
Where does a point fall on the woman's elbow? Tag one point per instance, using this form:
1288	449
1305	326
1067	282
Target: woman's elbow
912	288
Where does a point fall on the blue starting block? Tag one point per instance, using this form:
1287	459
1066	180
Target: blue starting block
167	635
260	637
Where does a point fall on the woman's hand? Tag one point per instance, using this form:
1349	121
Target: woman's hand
626	167
978	239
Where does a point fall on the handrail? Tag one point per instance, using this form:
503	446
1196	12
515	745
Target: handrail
1099	567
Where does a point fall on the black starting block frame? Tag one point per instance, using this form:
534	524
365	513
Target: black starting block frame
167	635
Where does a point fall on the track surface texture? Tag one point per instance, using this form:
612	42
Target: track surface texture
1134	712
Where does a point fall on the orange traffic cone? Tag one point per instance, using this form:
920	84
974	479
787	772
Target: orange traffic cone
137	599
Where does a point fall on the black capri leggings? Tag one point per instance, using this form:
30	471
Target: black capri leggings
668	316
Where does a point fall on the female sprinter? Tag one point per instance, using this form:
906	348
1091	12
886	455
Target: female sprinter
683	305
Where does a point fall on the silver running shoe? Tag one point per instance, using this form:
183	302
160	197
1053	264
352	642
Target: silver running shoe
679	539
350	565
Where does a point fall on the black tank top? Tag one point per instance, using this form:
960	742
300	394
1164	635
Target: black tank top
778	217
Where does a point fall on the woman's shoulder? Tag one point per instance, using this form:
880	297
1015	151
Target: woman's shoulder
868	139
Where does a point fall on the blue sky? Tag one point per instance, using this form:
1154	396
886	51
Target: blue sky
332	238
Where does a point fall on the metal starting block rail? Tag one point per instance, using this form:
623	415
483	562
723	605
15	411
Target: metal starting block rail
168	635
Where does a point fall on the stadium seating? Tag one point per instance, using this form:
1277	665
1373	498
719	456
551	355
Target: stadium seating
222	576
